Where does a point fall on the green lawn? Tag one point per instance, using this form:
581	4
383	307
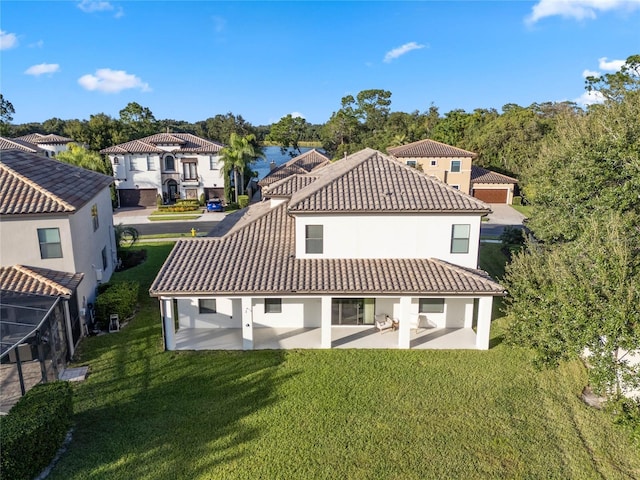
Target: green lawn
342	414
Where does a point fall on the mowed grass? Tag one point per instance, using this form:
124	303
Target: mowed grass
341	414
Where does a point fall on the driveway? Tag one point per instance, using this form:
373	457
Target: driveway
501	216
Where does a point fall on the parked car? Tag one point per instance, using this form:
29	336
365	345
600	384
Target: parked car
215	205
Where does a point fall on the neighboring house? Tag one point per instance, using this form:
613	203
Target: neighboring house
14	144
454	166
172	165
326	257
492	187
51	144
448	164
301	164
56	223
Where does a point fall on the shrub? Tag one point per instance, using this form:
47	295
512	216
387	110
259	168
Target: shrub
120	298
626	412
243	201
35	429
159	201
179	208
202	200
517	200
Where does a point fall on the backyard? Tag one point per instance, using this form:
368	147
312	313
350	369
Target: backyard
144	413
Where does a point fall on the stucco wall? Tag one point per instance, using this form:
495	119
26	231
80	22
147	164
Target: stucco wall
442	170
390	236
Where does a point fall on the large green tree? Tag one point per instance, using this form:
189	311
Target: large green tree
288	132
137	121
6	115
81	157
221	127
237	158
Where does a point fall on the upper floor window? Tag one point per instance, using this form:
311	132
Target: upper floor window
272	305
457	187
50	244
207	305
431	305
313	237
169	163
151	165
132	164
460	238
456	165
411	163
213	162
94	217
434	163
116	161
190	170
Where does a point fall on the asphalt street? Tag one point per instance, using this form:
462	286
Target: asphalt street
175	226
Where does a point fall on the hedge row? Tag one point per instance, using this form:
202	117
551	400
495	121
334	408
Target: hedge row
35	429
120	298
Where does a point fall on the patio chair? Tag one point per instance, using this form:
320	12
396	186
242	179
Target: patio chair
383	322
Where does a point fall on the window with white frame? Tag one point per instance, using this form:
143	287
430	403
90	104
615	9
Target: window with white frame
151	164
314	238
460	234
411	163
50	244
190	170
132	164
213	162
456	166
169	163
207	305
272	305
431	305
116	161
434	163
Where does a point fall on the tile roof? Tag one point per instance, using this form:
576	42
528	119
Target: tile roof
17	144
33	184
429	148
207	266
307	162
288	186
369	181
183	142
39	281
39	138
482	175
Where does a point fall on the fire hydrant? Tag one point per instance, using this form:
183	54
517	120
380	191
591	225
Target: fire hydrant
193	232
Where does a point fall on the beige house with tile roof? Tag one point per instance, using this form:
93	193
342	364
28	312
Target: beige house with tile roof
57	218
172	165
327	257
454	166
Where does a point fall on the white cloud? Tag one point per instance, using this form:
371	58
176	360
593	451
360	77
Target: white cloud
590	73
112	81
90	6
589	98
399	51
611	66
38	44
42	68
578	9
8	40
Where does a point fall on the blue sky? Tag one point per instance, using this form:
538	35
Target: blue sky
262	60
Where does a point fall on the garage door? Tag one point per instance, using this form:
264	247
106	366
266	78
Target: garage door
139	197
490	195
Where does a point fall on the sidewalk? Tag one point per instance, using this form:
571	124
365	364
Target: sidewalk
137	215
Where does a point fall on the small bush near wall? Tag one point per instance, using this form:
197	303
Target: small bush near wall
202	199
119	298
34	430
517	200
243	201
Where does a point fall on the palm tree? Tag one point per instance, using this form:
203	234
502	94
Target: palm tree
126	235
236	158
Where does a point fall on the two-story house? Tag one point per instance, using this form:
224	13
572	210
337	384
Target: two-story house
169	165
56	229
50	144
328	254
454	166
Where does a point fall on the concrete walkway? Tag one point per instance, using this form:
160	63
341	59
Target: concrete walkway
137	215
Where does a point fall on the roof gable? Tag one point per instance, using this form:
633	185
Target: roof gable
429	148
482	175
307	162
183	142
18	144
33	184
371	182
39	138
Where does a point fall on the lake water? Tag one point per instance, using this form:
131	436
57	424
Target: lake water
273	153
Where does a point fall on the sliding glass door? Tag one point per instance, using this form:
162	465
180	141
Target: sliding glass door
352	311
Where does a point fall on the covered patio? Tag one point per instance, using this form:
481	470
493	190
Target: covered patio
266	338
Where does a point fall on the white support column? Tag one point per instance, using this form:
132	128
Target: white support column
468	314
404	333
325	322
168	323
247	324
484	323
67	324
